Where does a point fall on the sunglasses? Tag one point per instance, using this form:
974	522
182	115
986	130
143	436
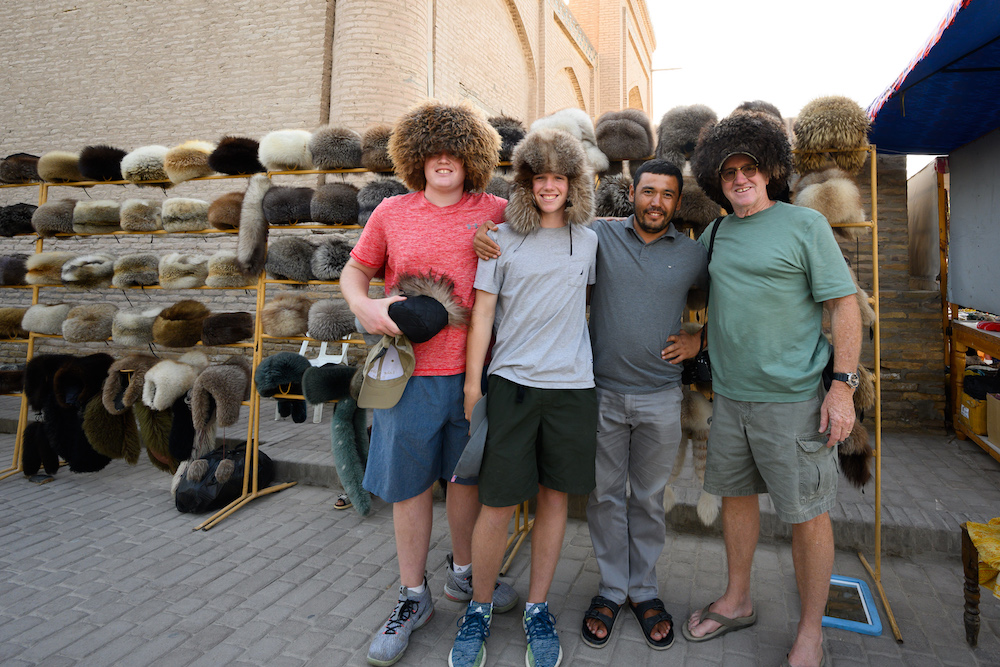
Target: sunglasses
729	175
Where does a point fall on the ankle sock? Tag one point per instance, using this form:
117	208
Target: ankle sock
460	569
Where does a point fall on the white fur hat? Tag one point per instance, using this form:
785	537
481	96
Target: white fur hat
286	150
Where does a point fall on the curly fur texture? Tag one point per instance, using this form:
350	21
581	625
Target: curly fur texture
227	328
45	268
549	151
180	325
577	123
330	319
499	187
432	128
136	270
10	322
679	130
16	219
224	211
145	164
169	380
611	199
251	247
13	268
334	204
88	271
180	271
285	150
284	205
835	124
141	215
286	315
375	148
236	156
54	217
833	193
19	168
89	323
97	213
60	167
330	257
624	135
101	163
182	214
188	160
133	327
290	258
511	131
46	319
225	271
696	211
335	148
372	194
441	289
115	436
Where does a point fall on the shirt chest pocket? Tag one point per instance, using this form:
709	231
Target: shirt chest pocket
576	274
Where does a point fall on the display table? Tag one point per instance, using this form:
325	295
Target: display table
965	335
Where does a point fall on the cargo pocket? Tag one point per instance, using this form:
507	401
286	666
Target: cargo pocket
817	467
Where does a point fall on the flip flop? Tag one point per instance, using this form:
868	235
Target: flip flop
343	502
727	625
589	638
822	661
647	624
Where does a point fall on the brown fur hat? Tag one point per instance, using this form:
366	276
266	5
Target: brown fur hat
101	163
499	186
431	128
834	123
624	135
182	214
696	211
251	247
224	212
16	219
180	325
335	204
218	392
170	379
141	215
45	268
286	206
19	168
89	323
577	123
46	319
60	167
543	151
372	194
10	323
133	327
330	319
611	199
188	160
96	216
180	271
285	150
286	315
225	271
88	271
123	385
440	289
290	258
511	131
13	269
335	148
330	258
54	217
235	156
375	148
227	328
145	165
833	193
136	270
679	130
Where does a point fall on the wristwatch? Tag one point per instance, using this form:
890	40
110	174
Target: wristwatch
851	379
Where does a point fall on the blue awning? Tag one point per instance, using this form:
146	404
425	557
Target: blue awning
949	94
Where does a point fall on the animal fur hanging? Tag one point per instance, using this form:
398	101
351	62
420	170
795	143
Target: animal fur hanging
350	452
835	126
16	219
136	270
183	214
19	168
578	124
180	325
10	323
224	271
286	315
330	257
334	204
833	193
141	215
145	165
124	382
236	156
227	328
154	431
88	271
181	441
37	451
696	419
290	258
170	379
179	271
188	160
251	248
45	268
372	194
55	217
330	319
13	269
89	323
60	167
46	319
133	327
115	436
856	455
679	130
335	148
287	206
375	148
101	163
285	150
216	399
224	212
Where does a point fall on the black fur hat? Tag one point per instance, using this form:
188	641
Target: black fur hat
611	199
13	268
60	167
624	135
286	206
372	194
290	258
330	319
282	373
38	375
180	442
145	164
375	148
679	130
38	452
141	215
227	328
54	217
19	168
335	148
180	325
224	212
80	379
101	163
235	156
759	105
511	132
16	219
330	257
331	382
335	204
136	270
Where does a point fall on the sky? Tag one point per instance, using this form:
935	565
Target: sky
786	52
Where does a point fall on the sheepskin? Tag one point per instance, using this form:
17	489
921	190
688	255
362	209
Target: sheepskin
224	271
835	126
13	269
124	381
180	325
88	271
133	327
145	164
624	135
236	156
141	215
251	248
45	268
188	160
171	379
577	123
335	204
286	315
10	322
136	270
224	212
181	271
290	258
498	187
227	328
54	217
182	214
46	319
375	148
833	193
330	257
611	199
16	219
286	206
372	194
335	148
60	167
19	168
97	215
511	131
678	133
330	319
101	163
89	323
285	150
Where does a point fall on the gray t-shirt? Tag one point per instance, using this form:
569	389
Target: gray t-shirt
541	318
637	302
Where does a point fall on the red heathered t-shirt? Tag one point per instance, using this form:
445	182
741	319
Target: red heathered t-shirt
408	235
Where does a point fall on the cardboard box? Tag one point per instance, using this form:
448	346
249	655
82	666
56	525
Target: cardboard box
993	418
973	413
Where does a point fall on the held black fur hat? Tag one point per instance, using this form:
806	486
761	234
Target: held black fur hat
101	163
431	128
611	199
180	325
251	247
331	382
216	398
335	148
13	269
755	133
441	289
88	271
225	271
60	167
133	327
679	131
170	379
290	258
286	315
179	271
224	212
96	216
372	194
578	124
285	150
330	319
625	135
183	214
335	204
330	258
836	124
227	328
543	151
141	215
16	219
89	323
144	165
136	270
833	193
10	322
54	217
499	187
284	205
235	156
375	148
19	168
511	131
45	268
187	161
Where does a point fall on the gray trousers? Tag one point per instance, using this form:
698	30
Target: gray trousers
637	438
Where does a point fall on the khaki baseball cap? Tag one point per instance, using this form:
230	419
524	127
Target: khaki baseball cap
388	367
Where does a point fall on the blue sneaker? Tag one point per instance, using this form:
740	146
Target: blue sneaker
543	642
473	629
412	611
458	587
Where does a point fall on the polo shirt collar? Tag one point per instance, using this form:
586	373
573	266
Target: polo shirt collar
629	223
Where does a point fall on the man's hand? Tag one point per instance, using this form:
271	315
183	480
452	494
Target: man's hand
681	346
837	412
373	314
472	396
485	247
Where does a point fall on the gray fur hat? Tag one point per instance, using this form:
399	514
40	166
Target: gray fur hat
225	271
335	204
759	105
133	327
88	323
45	268
679	130
372	194
330	257
101	163
182	214
836	124
330	319
141	215
511	131
188	160
335	148
251	247
140	269
95	216
46	319
611	198
227	328
13	269
19	168
145	164
224	211
499	187
217	395
181	271
235	156
624	135
286	315
180	325
286	206
285	150
88	271
60	167
290	258
54	217
375	148
170	379
579	125
16	219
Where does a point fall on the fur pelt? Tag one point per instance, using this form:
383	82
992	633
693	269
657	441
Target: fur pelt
836	124
757	133
286	315
101	213
64	430
696	211
16	219
251	247
375	148
60	167
372	194
624	135
330	257
39	373
856	455
101	163
46	319
543	151
864	395
225	271
53	218
227	328
285	150
179	271
330	319
224	212
113	435
867	312
141	215
511	131
330	382
216	398
499	187
10	322
679	130
88	271
833	193
182	214
611	199
45	268
431	128
235	156
11	380
441	289
696	418
123	383
154	430
335	204
284	205
80	379
577	123
188	160
335	148
180	325
170	379
281	373
290	258
349	446
133	327
182	436
61	386
38	451
145	164
89	323
19	168
13	269
136	270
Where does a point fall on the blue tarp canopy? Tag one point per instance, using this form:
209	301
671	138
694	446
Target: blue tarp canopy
949	94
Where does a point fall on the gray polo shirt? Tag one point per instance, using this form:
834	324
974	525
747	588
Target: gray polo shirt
637	302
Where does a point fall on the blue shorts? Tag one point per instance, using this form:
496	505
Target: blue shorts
419	440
